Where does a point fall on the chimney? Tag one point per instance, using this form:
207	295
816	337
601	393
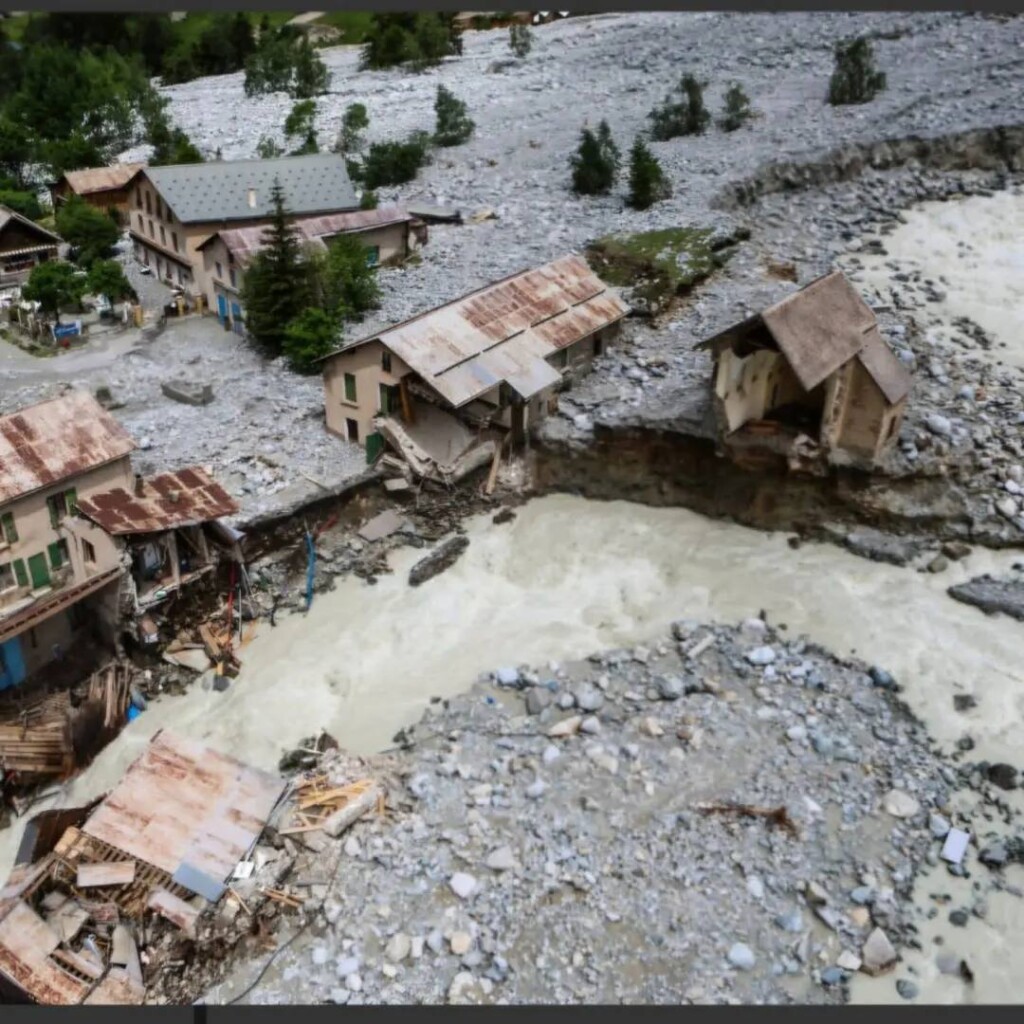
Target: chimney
252	198
138	485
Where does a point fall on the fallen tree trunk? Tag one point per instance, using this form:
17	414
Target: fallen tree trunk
444	556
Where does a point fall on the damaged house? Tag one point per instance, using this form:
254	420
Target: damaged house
84	542
810	379
54	588
104	898
435	386
167	526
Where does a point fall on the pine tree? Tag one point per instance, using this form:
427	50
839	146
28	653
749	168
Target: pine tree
520	40
310	74
301	124
737	108
647	182
595	164
276	285
855	79
684	114
454	125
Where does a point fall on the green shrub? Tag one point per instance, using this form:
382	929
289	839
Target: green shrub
454	125
313	334
595	164
647	182
394	163
737	109
855	78
683	113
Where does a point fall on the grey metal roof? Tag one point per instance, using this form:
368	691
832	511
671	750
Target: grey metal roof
219	190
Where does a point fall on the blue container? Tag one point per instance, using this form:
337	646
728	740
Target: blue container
133	713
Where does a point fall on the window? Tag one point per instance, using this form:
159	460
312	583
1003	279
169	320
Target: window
372	255
8	531
174	239
385	361
61	505
149	205
388	399
138	198
234	280
21	573
139	216
58	554
598	344
350	387
159	267
353	430
220	270
6	576
88	553
152	233
163	235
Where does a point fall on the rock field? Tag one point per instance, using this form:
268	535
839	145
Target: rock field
568	834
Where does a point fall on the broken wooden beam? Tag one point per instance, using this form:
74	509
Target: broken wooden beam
175	910
108	873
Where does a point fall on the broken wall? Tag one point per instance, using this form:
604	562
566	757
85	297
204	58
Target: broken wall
365	363
867	421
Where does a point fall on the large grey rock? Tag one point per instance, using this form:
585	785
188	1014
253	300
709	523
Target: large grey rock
992	595
462	884
878	954
741	956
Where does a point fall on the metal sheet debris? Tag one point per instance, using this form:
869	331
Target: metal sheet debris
955	846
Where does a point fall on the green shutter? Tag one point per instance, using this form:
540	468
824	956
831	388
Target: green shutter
56	559
10	531
54	519
20	573
374	446
71	497
350	387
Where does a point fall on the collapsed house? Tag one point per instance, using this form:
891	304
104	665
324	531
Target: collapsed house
810	379
92	884
167	526
442	386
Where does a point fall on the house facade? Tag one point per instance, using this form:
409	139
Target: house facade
23	246
175	209
810	377
85	544
106	188
389	233
53	585
493	359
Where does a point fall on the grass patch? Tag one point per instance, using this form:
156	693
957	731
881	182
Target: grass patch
194	24
353	25
658	265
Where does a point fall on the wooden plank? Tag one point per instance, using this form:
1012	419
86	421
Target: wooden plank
115	873
492	477
213	648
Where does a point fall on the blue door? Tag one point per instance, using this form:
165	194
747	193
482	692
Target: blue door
222	308
12	665
236	317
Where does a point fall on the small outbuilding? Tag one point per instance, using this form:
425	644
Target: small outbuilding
810	378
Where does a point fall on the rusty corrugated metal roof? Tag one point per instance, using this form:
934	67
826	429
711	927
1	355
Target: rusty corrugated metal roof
244	243
182	805
183	498
505	331
101	179
26	942
57	440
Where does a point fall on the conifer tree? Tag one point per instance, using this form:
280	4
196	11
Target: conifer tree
647	182
454	126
